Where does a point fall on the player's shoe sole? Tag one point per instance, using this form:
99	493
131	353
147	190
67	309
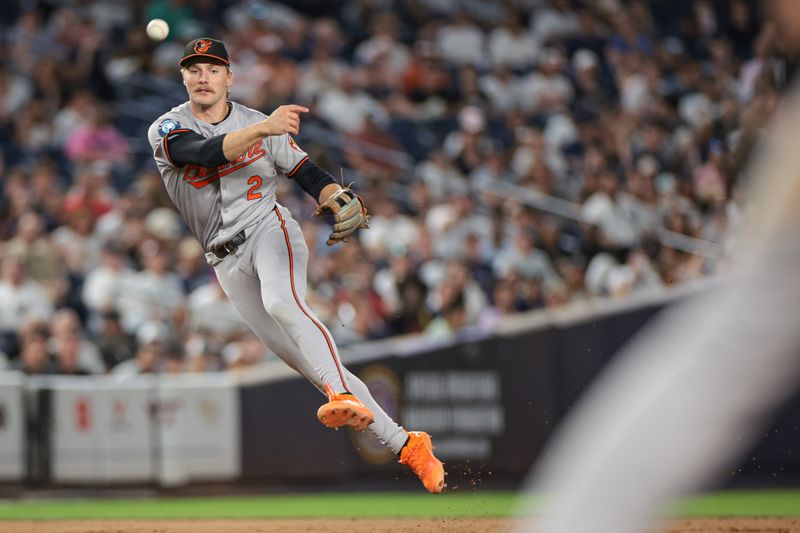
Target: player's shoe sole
344	410
417	454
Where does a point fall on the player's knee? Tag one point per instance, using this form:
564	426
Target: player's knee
279	310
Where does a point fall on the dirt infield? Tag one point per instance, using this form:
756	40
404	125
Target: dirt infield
469	525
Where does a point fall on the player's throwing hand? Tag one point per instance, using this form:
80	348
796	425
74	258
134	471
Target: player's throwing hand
285	119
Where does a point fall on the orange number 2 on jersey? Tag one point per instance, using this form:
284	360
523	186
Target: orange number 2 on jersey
252	192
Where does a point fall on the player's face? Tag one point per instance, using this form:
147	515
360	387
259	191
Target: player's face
206	83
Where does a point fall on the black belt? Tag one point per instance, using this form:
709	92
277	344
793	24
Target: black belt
226	248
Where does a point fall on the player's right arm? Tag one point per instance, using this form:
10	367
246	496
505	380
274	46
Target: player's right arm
285	119
181	146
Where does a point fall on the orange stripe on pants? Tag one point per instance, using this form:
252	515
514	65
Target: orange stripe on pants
303	309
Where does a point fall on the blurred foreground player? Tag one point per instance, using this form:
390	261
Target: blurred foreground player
220	162
692	392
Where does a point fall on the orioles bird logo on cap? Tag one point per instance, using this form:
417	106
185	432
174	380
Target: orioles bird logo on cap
202	46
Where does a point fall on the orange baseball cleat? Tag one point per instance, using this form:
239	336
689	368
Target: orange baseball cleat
417	454
344	410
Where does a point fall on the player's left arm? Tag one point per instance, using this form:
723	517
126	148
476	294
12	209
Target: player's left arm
314	180
347	208
293	161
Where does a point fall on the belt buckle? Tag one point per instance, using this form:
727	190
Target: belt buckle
229	247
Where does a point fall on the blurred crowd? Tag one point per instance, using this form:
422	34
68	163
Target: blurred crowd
626	120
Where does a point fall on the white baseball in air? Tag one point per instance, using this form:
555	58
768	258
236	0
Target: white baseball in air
157	29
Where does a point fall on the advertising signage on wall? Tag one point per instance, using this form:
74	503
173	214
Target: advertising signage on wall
462	408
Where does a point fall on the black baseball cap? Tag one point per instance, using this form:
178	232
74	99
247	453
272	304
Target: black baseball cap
205	47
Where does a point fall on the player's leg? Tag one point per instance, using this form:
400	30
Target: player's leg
241	289
244	290
245	293
414	447
383	427
280	259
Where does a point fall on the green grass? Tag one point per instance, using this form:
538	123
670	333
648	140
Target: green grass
280	506
454	504
772	503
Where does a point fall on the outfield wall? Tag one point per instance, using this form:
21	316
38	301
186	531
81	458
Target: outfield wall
489	398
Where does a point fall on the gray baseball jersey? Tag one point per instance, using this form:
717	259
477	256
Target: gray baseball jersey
219	202
265	278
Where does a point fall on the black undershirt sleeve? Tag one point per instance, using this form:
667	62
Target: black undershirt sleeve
186	147
312	179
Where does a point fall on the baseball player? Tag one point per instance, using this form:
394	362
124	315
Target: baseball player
220	162
690	394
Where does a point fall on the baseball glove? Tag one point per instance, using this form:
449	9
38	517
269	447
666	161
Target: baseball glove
349	213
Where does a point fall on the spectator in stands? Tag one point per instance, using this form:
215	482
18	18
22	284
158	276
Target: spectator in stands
461	41
592	92
547	90
191	265
164	225
452	316
636	274
504	303
97	141
103	284
34	356
710	183
76	242
500	88
243	353
202	354
511	46
91	191
615	227
75	115
523	257
458	280
451	223
347	107
42	261
152	339
476	260
172	361
210	310
66	353
638	118
23	300
372	152
441	177
383	46
114	343
152	293
554	21
16	90
470	144
74	352
391	228
555	293
412	315
321	72
32	128
573	272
